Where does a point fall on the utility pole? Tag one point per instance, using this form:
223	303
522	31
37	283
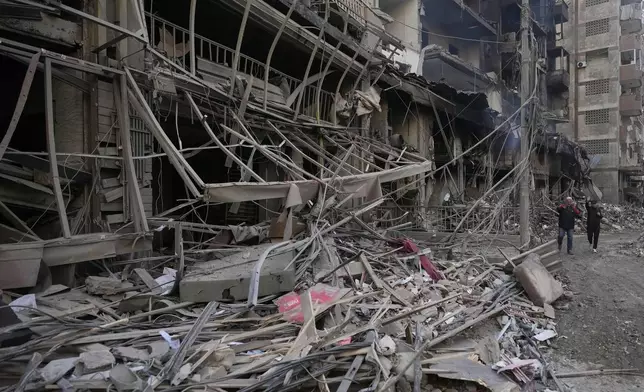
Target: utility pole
524	184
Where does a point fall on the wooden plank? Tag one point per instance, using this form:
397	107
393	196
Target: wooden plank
115	218
51	147
106	121
113	194
15	220
16	171
116	206
110	182
148	280
20	105
9	234
105	99
108	151
42	164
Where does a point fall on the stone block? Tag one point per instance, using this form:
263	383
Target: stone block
229	277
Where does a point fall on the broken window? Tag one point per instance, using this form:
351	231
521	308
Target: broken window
599	116
599	26
628	57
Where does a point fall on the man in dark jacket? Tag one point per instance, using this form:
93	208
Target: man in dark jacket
568	211
594	220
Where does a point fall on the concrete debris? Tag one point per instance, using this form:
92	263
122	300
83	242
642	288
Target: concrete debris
131	354
93	361
211	282
245	224
124	379
99	285
56	369
468	370
386	346
372	317
538	283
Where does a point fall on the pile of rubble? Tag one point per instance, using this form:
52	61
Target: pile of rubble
333	308
616	218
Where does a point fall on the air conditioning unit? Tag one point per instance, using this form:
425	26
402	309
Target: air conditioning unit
581	64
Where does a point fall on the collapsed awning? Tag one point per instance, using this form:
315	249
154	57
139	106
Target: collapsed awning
362	185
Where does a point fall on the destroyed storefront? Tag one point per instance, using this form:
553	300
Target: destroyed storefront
232	180
216	140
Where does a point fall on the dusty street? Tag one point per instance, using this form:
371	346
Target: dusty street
603	326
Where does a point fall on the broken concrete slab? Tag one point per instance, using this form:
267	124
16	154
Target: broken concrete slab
57	368
541	287
468	370
125	379
95	360
158	349
131	353
99	285
402	365
229	277
488	350
211	373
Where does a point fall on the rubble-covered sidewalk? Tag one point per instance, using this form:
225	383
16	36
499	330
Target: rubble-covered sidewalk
351	307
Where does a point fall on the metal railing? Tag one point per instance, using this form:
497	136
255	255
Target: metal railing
501	220
162	31
353	8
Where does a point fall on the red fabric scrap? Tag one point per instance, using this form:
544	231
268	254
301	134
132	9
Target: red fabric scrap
427	265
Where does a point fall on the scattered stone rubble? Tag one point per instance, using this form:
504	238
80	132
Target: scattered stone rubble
348	309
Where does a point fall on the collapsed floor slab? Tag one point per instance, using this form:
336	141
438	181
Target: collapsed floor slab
229	278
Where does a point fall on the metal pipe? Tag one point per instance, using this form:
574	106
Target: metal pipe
51	148
193	56
267	67
240	38
524	184
253	290
328	65
310	64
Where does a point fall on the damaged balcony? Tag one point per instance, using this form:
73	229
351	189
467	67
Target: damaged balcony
630	18
558	80
214	65
456	18
630	70
630	104
558	115
36	22
630	75
560	12
354	9
442	67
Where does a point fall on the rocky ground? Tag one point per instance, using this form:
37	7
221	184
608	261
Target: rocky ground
603	326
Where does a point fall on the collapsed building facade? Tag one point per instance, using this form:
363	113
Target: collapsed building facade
128	118
475	48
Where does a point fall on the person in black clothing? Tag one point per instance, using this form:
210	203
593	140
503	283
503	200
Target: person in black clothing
568	211
593	222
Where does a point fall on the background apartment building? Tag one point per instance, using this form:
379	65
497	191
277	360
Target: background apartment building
474	47
606	92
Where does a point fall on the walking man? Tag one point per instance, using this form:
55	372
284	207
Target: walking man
593	223
568	211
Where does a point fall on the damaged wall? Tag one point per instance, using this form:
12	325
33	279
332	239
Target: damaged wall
405	15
